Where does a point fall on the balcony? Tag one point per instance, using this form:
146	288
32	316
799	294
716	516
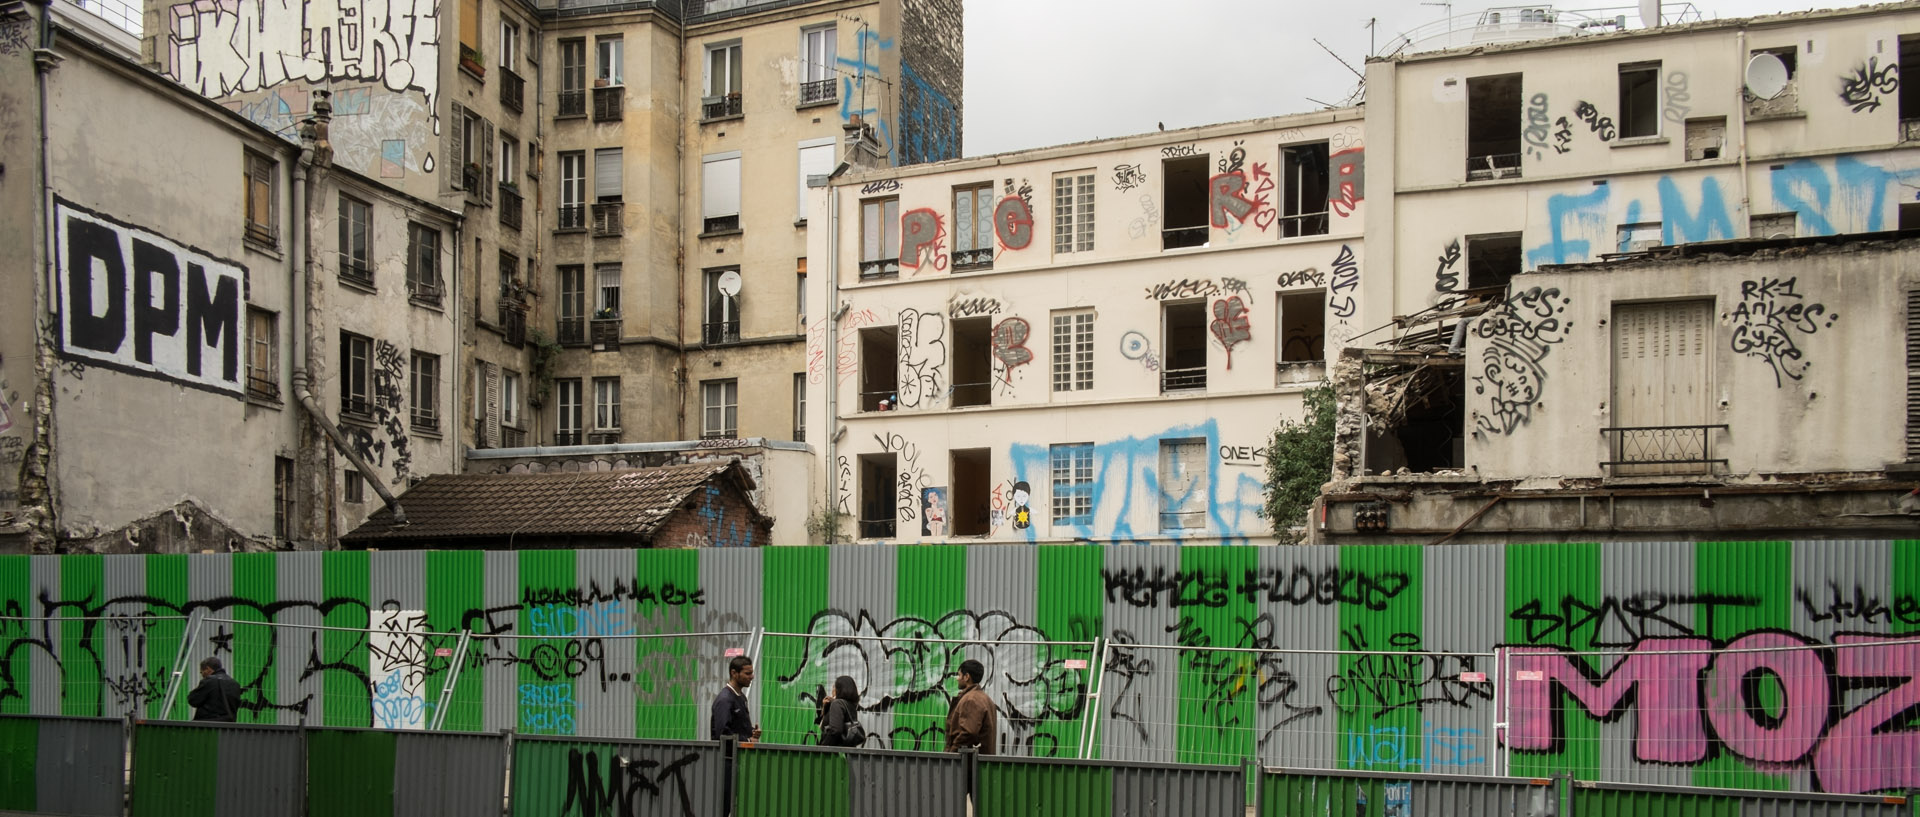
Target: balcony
606	333
720	107
510	205
603	437
513	322
720	224
879	268
972	260
1177	380
570	331
1179	238
1493	166
572	218
513	91
719	332
567	438
511	437
826	90
1660	450
607	218
607	103
572	103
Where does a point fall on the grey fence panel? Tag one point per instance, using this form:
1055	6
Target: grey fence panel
907	784
1141	790
1615	798
1503	796
262	772
449	774
78	770
1406	794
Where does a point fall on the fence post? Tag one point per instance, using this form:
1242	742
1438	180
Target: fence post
506	797
453	679
180	657
1090	722
1500	719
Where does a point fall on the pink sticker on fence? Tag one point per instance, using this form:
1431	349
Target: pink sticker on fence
442	652
1473	677
733	652
1076	663
1530	675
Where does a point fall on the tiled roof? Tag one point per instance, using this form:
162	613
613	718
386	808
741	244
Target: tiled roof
620	503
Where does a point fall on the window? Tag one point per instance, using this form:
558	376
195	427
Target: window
1183	336
356	375
1303	328
283	498
606	279
354	486
1072	467
608	177
573	191
1303	190
356	237
723	308
509	160
510	398
611	51
879	367
1662	388
972	362
1073	351
723	82
425	396
1639	100
1636	237
606	403
719	403
476	152
423	263
817	58
1493	127
973	227
1909	92
509	45
1073	213
1492	259
1913	375
1706	138
800	292
469	26
799	407
509	276
262	204
816	159
878	484
263	354
1184	194
1773	225
1787	99
573	303
720	192
1183	484
969	505
573	78
880	238
567	424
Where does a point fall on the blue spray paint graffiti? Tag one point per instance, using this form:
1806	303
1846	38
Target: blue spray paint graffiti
721	528
1850	198
1703	223
865	65
929	121
1127	470
1588	213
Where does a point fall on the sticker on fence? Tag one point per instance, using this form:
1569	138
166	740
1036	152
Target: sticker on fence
735	652
1530	675
443	652
1473	677
1076	663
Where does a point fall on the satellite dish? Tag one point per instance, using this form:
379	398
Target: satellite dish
1766	75
729	283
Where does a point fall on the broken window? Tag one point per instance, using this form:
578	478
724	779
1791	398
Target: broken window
1183	484
1416	416
1706	138
1637	237
1772	225
283	498
1183	336
972	362
1303	190
1493	127
1492	259
1302	337
1787	99
1639	100
880	238
1072	470
1183	193
879	367
877	504
1909	91
970	509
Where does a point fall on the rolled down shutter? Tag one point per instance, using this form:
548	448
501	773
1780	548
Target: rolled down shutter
455	162
720	188
487	148
606	174
493	418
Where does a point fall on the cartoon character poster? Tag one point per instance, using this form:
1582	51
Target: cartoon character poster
933	512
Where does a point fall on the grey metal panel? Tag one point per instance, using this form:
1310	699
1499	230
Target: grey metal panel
455	774
502	682
262	772
1458	720
1002	583
907	784
1139	693
604	704
298	579
1763	805
209	578
44	690
1656	572
1179	791
122	640
1472	796
1840	580
1296	722
78	770
731	584
862	600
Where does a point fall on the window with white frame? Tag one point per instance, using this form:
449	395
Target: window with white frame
817	56
1073	350
612	55
606	404
723	308
609	177
723	70
510	398
720	192
973	227
425	395
799	407
573	190
509	44
1073	213
1072	467
423	263
720	408
356	239
880	237
569	408
509	159
607	286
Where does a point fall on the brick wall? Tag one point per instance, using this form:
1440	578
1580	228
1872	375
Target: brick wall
718	515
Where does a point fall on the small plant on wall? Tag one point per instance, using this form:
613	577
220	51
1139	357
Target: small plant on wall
545	352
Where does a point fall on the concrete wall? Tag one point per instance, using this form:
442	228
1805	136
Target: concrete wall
20	226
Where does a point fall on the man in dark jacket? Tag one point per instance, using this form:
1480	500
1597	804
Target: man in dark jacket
730	713
973	722
217	698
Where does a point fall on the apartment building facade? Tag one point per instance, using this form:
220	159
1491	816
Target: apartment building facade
1084	343
1558	344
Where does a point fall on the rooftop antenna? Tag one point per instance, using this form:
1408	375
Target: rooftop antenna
1372	29
1448	5
1343	63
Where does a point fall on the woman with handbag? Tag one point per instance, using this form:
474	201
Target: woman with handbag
842	716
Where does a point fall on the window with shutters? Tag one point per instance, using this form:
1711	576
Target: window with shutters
1073	350
1072	470
1662	389
1913	376
263	354
1183	484
720	409
356	240
424	398
816	160
880	237
720	193
1073	213
573	192
262	203
973	227
569	411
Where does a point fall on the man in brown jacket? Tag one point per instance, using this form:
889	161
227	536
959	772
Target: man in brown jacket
972	722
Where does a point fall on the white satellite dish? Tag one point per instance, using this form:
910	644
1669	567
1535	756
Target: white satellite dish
1766	75
729	283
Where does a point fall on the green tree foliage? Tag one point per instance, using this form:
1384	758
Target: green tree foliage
1299	461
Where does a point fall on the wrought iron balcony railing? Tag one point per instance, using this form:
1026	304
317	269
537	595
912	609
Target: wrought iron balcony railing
880	268
1175	238
570	331
715	333
826	90
572	103
971	260
567	437
510	205
1303	224
1493	166
1661	449
572	217
513	90
511	437
1194	379
720	107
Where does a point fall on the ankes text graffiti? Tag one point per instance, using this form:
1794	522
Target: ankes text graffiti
136	301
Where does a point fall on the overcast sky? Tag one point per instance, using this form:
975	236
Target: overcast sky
1049	72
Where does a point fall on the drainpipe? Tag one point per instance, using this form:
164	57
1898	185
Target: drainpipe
38	478
1740	111
831	310
316	157
680	253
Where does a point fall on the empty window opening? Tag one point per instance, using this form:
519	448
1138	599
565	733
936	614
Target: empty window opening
1910	216
1183	335
879	367
1492	260
970	493
1493	127
1183	484
1909	91
1639	100
1773	225
1706	138
1184	198
355	485
283	506
1784	100
877	502
1637	237
972	362
1422	425
1303	190
1302	354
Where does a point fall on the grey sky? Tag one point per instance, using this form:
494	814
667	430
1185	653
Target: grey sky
1049	72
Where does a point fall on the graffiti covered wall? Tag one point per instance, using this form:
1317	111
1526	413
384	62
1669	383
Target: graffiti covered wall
563	655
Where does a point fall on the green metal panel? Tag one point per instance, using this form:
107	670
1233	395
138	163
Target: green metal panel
1611	803
1374	735
457	584
174	770
80	578
1010	788
1547	578
349	773
16	599
1307	795
544	571
931	582
1761	572
253	662
167	594
19	754
1217	689
793	589
1906	583
345	576
542	773
677	716
1069	606
772	782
